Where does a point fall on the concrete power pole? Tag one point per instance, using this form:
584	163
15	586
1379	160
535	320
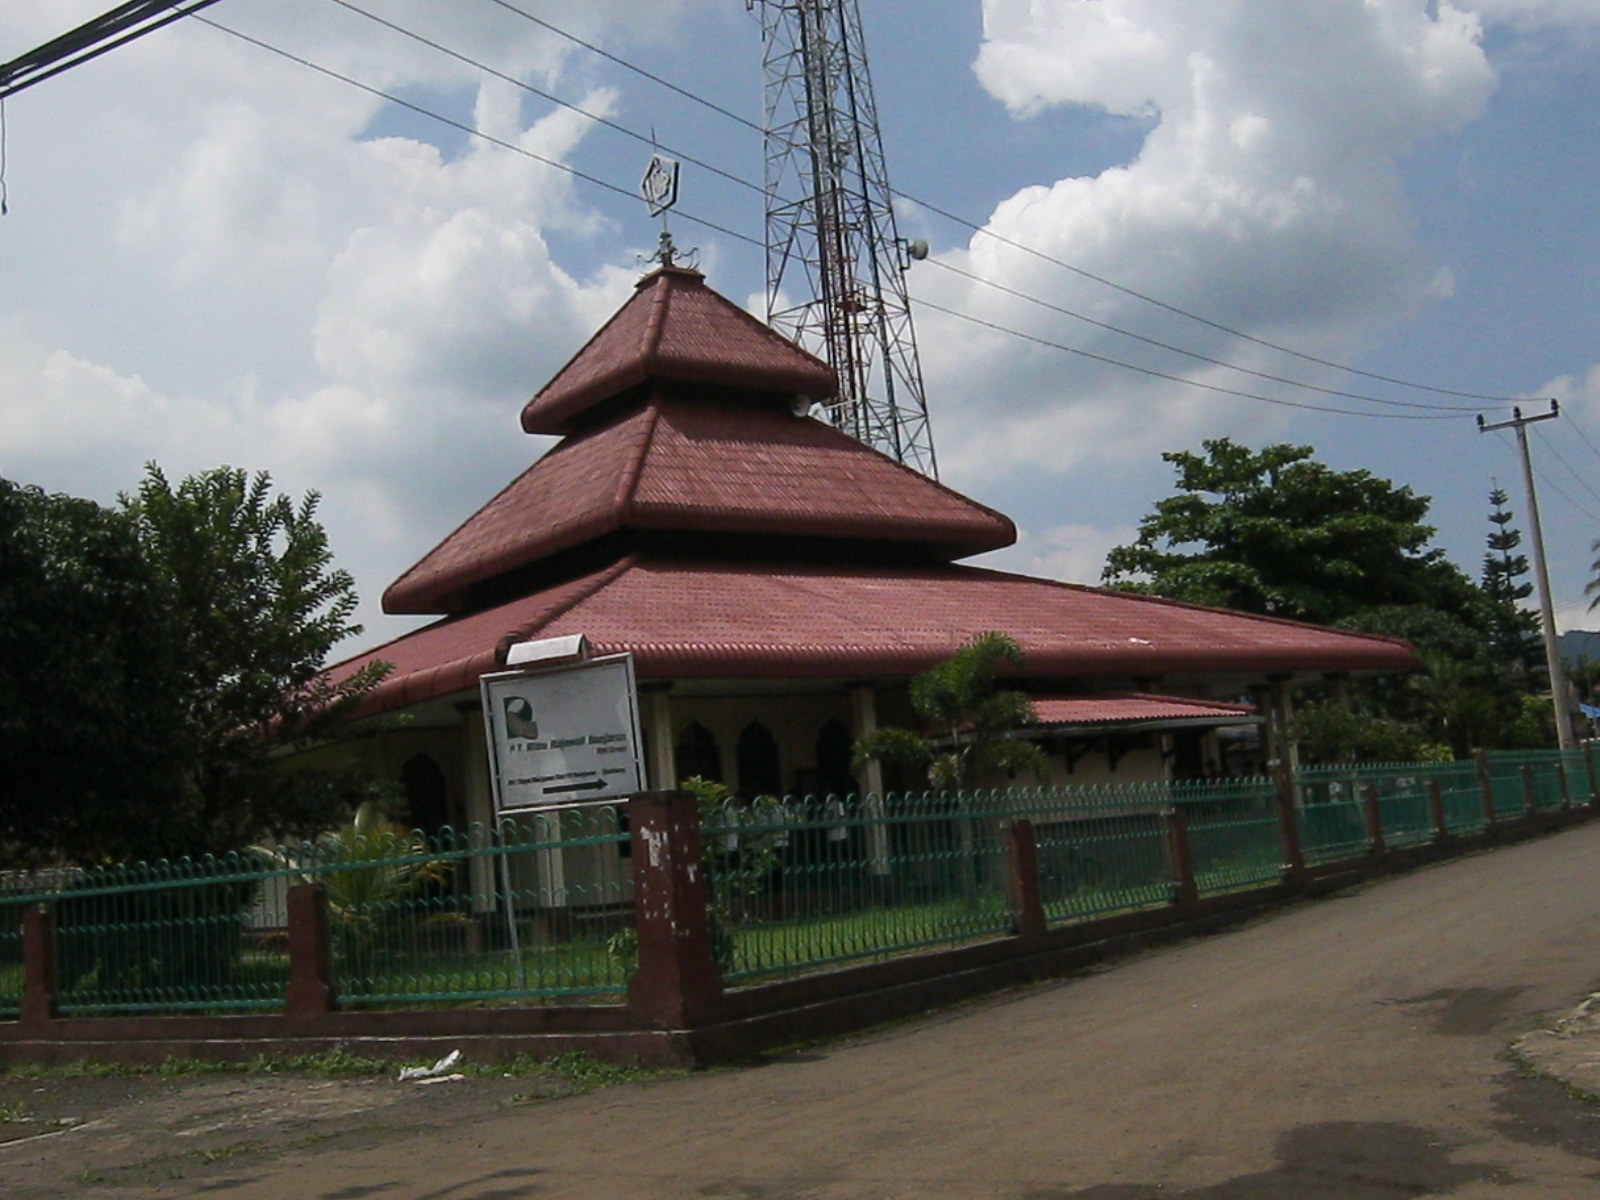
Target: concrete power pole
1541	575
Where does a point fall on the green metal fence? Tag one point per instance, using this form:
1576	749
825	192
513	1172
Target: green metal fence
541	910
1235	835
1505	785
1331	814
820	881
526	911
1462	796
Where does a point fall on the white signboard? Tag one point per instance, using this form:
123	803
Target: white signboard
563	735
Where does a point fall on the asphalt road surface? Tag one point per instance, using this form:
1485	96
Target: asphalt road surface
1351	1048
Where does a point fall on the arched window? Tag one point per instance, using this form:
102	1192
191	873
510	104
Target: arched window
697	754
834	747
427	798
759	771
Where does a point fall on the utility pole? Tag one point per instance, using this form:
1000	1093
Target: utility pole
1541	575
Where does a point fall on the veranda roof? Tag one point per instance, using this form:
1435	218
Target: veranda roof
687	620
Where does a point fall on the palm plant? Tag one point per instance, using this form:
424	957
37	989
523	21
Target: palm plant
972	724
368	868
971	721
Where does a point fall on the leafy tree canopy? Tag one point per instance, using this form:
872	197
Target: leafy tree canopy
175	644
1277	532
87	713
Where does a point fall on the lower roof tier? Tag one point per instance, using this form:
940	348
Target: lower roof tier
686	620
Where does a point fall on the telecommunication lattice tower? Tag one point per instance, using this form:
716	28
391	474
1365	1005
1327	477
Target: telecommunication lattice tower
835	260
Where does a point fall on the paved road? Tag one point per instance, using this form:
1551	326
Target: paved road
1348	1049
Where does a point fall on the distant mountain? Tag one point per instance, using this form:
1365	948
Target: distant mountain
1579	644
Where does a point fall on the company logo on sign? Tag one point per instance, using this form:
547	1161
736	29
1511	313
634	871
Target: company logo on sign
519	718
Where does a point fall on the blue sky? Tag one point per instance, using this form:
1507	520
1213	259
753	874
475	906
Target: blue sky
217	255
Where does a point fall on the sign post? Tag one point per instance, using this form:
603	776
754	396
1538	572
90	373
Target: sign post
563	735
558	737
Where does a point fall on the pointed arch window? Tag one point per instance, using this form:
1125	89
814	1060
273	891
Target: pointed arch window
760	772
697	753
834	750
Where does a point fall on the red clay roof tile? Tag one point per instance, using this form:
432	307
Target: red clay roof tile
685	620
674	328
1111	708
681	465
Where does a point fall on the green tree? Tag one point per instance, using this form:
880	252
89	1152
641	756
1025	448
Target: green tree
1515	631
970	717
1278	533
248	581
155	661
87	710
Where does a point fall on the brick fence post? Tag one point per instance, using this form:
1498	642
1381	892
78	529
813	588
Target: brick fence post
1028	919
1294	859
677	984
1187	894
1441	823
1372	810
311	990
1485	789
39	983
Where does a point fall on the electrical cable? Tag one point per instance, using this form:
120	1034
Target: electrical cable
986	232
624	63
1578	429
543	95
1550	445
47	61
650	140
1509	444
1432	414
1210	387
465	128
1216	362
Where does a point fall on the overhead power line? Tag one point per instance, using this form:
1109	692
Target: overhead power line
470	130
1205	358
615	126
104	33
1195	383
651	140
1555	450
984	231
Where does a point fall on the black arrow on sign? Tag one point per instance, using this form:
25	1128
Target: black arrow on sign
576	787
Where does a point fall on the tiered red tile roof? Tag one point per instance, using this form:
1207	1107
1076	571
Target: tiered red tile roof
675	329
756	544
677	465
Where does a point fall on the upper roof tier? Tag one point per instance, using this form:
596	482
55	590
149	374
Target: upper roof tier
676	329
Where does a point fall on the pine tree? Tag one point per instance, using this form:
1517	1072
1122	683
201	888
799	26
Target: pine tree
1515	632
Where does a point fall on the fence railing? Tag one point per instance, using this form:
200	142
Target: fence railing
523	911
541	910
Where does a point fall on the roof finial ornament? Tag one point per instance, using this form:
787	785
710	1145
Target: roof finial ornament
659	187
